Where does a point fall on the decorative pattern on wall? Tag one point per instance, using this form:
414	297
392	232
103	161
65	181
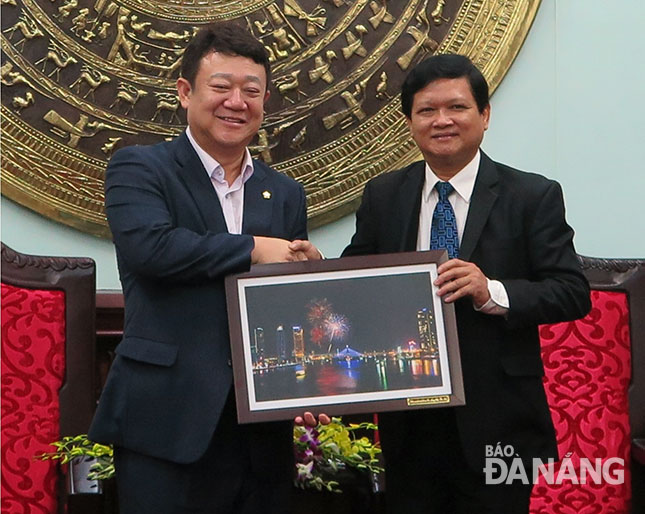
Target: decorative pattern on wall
84	77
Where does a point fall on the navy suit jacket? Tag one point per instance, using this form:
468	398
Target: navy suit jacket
516	233
172	373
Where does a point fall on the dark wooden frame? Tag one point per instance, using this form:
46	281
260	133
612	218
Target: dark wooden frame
376	404
628	276
76	276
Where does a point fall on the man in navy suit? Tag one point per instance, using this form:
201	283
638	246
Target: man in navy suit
514	267
185	214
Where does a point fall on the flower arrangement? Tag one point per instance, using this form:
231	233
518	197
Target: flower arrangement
322	451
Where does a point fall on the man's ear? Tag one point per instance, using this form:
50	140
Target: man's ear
267	95
486	116
183	90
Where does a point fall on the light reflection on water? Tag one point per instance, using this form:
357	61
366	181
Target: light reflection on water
321	378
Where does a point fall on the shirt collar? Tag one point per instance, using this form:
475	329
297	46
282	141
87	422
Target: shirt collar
463	181
213	167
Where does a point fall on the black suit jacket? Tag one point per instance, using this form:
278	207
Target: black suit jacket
172	374
516	233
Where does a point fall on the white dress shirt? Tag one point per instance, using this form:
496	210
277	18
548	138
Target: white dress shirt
463	183
231	198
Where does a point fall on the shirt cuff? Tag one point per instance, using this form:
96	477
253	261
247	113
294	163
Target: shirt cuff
498	303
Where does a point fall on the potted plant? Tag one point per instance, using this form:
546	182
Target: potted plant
329	459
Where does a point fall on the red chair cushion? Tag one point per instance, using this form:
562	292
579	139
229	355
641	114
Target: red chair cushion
587	366
33	367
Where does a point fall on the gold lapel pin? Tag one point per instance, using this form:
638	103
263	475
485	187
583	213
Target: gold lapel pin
266	195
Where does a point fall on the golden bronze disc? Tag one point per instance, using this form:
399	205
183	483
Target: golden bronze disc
82	78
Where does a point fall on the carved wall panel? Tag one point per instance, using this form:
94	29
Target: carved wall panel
82	78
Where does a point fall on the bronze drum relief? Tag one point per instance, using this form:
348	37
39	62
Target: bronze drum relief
81	79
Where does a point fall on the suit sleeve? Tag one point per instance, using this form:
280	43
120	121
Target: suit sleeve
365	240
146	236
557	289
299	225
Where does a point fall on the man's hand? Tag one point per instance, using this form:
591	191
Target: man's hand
305	250
310	420
272	249
459	278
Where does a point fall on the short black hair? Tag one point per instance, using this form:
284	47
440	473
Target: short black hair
228	38
443	66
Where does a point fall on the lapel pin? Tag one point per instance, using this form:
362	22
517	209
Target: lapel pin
266	195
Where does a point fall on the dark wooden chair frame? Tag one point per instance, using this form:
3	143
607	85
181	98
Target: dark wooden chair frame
76	276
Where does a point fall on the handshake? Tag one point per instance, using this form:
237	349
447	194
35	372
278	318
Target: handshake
273	249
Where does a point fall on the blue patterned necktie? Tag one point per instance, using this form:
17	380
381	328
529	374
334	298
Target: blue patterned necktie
443	233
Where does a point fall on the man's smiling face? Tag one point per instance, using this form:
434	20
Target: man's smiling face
225	105
447	125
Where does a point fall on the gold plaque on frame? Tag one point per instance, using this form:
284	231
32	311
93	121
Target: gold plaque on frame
82	78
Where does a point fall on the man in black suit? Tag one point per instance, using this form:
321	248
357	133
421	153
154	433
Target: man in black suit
184	215
515	267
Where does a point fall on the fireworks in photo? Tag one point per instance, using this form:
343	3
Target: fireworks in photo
337	327
318	311
326	325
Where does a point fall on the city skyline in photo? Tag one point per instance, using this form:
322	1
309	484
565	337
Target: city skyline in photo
375	313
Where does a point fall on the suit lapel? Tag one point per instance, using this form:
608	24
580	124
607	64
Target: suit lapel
408	210
481	203
258	202
192	173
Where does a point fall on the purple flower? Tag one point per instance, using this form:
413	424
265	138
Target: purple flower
310	437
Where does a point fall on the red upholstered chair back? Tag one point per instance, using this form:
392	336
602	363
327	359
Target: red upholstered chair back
48	389
595	384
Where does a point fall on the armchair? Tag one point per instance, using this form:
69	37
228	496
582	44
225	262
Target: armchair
48	385
595	384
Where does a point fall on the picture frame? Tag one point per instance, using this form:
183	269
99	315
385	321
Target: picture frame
342	336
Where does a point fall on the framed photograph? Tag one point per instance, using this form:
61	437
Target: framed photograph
342	336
